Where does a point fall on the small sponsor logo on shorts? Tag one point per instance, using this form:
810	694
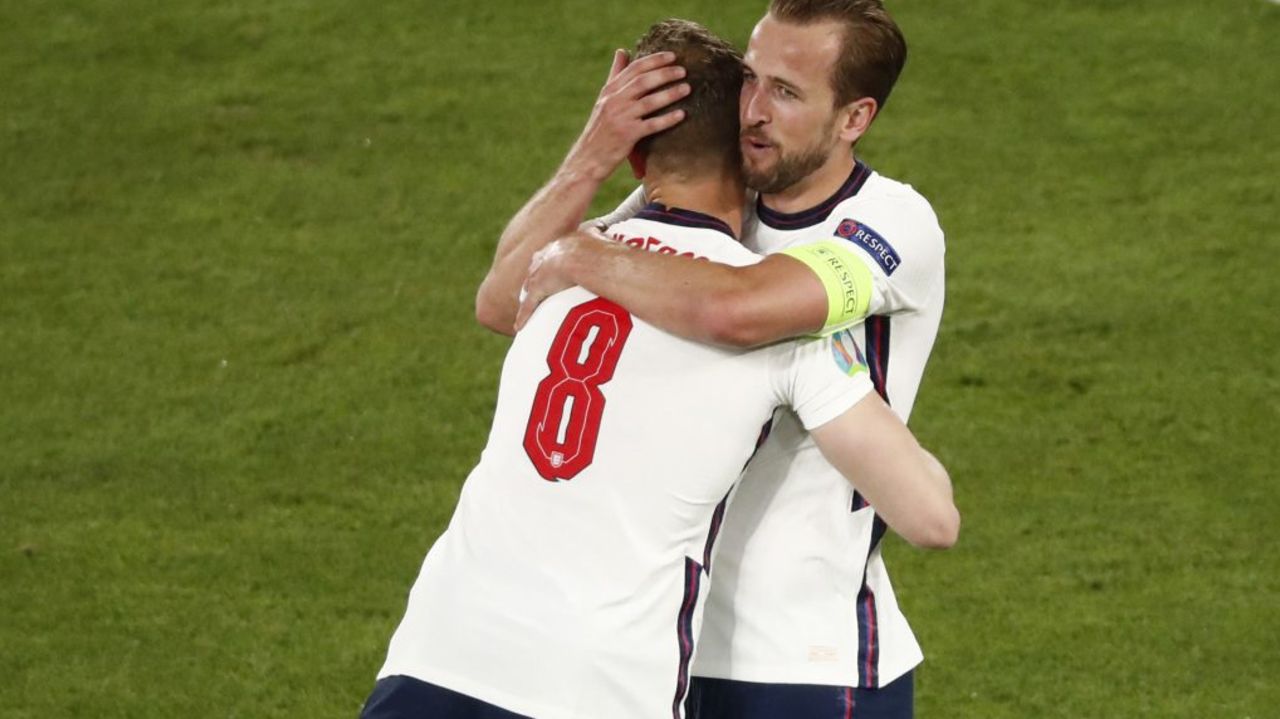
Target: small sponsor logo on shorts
871	241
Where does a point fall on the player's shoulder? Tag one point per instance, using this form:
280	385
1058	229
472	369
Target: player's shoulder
893	223
896	206
887	189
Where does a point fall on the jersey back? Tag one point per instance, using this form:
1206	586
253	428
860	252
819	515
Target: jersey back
570	580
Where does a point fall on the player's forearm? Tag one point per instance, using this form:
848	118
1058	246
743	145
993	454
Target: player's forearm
625	111
944	528
700	300
938	476
922	509
905	484
671	293
559	207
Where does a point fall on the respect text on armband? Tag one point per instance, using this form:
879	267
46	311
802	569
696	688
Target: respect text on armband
845	279
872	242
848	288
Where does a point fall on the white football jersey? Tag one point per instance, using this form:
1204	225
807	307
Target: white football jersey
570	580
801	592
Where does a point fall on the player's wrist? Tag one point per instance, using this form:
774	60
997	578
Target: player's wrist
573	262
586	167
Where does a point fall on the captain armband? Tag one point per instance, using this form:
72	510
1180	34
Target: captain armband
844	276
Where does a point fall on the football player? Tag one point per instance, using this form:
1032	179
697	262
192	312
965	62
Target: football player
802	620
570	581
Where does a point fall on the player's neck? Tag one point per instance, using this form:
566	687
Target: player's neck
719	195
813	188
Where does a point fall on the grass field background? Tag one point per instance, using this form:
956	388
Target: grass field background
240	382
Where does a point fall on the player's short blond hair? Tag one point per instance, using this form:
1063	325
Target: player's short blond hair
708	134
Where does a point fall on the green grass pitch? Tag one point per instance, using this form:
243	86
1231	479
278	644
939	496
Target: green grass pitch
240	381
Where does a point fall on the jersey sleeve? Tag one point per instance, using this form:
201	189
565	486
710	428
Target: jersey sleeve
629	208
903	246
821	378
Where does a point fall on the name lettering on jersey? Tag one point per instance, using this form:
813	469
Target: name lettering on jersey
871	241
651	244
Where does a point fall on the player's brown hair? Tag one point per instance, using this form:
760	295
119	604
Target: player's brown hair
707	137
873	50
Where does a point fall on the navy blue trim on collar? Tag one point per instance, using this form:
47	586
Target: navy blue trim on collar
817	213
659	212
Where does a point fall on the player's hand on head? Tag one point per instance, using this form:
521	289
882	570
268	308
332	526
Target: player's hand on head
634	90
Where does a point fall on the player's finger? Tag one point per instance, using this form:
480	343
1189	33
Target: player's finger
644	65
520	318
641	84
661	122
652	61
527	306
620	60
657	100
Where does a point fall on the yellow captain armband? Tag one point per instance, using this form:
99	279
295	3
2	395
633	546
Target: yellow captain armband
845	277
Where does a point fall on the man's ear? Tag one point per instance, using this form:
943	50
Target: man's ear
638	159
855	118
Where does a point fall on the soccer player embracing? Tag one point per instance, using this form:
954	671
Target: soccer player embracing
571	580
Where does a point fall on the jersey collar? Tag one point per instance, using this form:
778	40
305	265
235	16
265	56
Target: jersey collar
818	213
659	212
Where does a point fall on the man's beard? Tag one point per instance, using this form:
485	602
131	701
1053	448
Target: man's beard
789	169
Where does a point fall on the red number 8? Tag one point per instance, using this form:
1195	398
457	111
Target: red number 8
560	438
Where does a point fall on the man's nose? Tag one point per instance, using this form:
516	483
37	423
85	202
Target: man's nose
754	109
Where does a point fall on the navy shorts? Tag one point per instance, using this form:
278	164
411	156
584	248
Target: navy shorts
727	699
408	698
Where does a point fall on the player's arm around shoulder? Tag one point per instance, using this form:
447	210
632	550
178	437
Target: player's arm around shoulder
834	282
754	305
783	295
908	487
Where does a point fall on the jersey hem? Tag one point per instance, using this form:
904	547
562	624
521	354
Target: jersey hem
484	693
783	674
